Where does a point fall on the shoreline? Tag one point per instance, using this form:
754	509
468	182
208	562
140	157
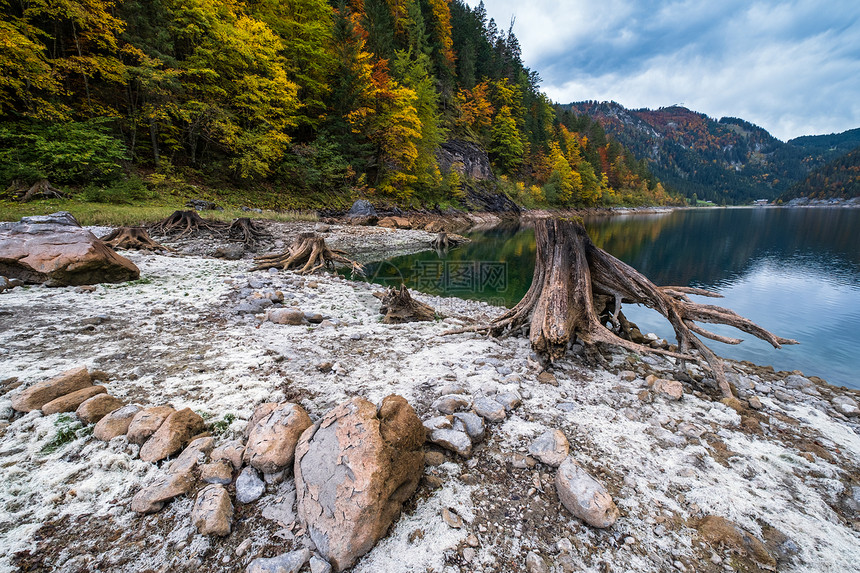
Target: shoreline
189	335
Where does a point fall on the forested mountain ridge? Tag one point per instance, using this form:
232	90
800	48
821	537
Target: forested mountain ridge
306	102
727	161
838	179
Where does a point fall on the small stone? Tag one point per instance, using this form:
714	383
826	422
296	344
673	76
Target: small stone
508	400
671	389
583	496
249	486
755	403
845	405
451	403
290	562
551	448
471	423
644	396
489	409
243	547
146	422
521	461
153	497
439	423
319	565
322	228
627	376
285	316
94	409
454	440
116	423
547	378
220	472
472	540
231	451
212	513
175	432
468	554
39	394
434	458
451	518
535	563
70	402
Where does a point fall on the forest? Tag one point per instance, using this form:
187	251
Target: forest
295	103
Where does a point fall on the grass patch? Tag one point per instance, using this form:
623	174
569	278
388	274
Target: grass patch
222	426
68	430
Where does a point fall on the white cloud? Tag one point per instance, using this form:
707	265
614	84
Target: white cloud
791	67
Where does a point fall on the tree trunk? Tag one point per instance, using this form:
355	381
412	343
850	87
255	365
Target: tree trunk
575	284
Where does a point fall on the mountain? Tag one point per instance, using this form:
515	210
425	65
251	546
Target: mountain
838	179
728	161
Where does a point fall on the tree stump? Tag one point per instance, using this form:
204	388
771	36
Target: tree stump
42	189
182	223
398	306
445	242
575	284
135	238
307	254
246	230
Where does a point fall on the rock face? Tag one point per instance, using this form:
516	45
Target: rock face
39	394
465	158
272	442
583	496
176	430
212	513
146	422
60	255
354	470
70	402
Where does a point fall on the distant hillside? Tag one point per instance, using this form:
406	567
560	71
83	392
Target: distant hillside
839	179
728	161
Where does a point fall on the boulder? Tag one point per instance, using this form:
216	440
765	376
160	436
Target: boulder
232	252
146	422
71	401
39	394
116	423
286	316
361	208
454	440
470	423
551	448
58	218
153	497
272	443
94	409
175	432
489	409
583	496
231	451
451	403
249	486
192	456
60	255
395	223
260	412
671	389
290	562
354	470
212	513
220	472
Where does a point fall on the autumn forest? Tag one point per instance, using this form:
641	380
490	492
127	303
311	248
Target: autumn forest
299	103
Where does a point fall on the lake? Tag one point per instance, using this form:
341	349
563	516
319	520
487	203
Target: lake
794	271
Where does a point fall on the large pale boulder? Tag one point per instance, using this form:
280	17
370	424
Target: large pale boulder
153	497
354	470
174	433
60	255
272	442
94	409
116	423
212	513
584	496
146	422
39	394
71	401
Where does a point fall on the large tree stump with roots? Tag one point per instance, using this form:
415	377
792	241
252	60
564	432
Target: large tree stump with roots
246	230
183	223
307	254
398	306
133	238
443	242
575	283
42	189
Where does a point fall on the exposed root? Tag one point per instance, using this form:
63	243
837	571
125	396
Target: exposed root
133	238
398	306
246	230
577	288
307	254
183	223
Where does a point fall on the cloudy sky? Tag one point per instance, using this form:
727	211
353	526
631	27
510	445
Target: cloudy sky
790	66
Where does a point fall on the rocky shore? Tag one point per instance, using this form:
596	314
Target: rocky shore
767	481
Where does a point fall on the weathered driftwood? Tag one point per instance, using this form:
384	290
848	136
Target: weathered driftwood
444	242
246	230
575	284
307	254
182	223
135	238
398	306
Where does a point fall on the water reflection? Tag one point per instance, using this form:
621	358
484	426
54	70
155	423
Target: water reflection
794	271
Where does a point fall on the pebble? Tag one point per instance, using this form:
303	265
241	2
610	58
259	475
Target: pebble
535	563
489	409
451	518
451	403
469	554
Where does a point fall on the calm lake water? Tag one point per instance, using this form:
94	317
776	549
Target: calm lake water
795	272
